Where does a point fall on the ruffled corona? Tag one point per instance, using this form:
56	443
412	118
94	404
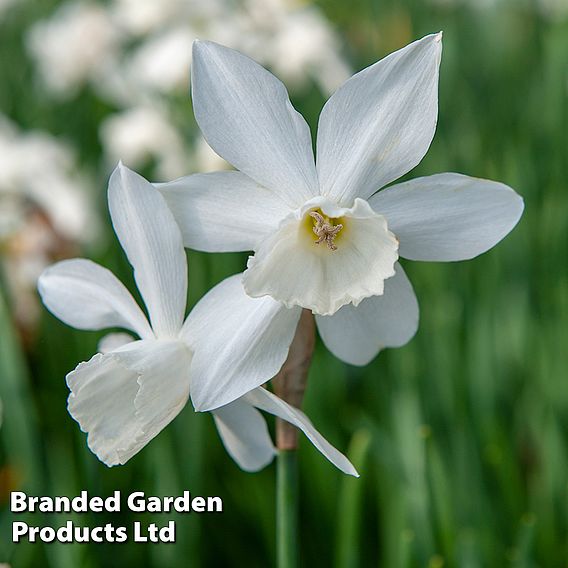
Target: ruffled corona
323	256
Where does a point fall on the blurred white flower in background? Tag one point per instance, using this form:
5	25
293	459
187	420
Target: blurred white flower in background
297	42
162	63
44	209
36	167
142	134
141	17
306	46
149	43
73	46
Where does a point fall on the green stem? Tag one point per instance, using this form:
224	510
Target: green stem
287	509
290	385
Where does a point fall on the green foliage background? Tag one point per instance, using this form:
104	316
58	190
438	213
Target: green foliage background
461	437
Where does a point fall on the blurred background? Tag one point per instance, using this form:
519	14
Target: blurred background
461	437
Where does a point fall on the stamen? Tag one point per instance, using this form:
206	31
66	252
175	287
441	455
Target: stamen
324	230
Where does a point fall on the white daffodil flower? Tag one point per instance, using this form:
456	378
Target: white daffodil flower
323	238
230	343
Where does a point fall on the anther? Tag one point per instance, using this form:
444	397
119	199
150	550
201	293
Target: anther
325	231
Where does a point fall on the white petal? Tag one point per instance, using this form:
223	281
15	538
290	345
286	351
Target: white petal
448	216
102	402
246	116
245	435
380	123
124	398
85	295
153	244
113	341
291	267
222	211
357	334
239	343
164	368
265	400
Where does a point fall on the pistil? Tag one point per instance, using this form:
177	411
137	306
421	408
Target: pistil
324	230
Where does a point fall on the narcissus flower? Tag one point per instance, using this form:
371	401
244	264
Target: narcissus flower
125	395
323	237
